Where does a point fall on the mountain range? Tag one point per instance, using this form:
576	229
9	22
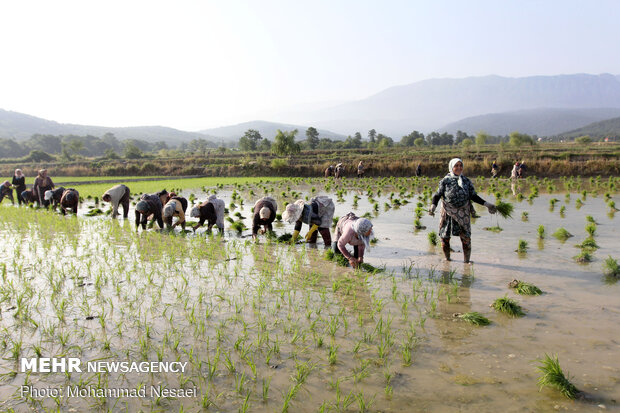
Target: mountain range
538	105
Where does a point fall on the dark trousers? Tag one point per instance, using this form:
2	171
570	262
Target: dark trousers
327	236
20	199
7	194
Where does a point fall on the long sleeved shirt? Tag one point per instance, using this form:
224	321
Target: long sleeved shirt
116	193
257	221
70	200
179	210
349	236
19	183
310	215
154	207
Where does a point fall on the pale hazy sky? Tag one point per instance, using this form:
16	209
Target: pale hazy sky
199	64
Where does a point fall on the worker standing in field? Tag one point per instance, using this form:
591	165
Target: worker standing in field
317	214
514	174
150	205
494	169
176	206
264	214
19	182
118	195
42	183
354	231
210	211
360	169
69	201
418	170
456	192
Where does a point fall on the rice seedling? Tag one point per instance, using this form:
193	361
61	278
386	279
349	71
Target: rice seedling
611	267
432	238
524	216
562	234
588	244
504	209
508	306
583	257
522	246
591	229
524	288
541	231
553	376
475	318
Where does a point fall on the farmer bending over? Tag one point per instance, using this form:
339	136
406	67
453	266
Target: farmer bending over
118	195
150	204
211	211
356	232
317	214
264	214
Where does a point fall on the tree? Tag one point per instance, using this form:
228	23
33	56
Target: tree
520	139
409	140
250	140
583	139
467	142
284	143
372	135
312	138
481	138
384	141
419	142
265	145
39	156
132	151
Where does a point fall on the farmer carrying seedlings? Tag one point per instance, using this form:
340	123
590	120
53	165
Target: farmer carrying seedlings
150	204
69	201
264	214
118	195
54	196
212	211
42	183
456	192
354	231
317	214
175	207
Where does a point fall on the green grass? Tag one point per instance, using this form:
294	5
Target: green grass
508	306
553	376
475	318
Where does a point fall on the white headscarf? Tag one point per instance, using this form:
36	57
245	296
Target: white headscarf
48	195
361	227
194	212
453	162
18	173
264	213
170	208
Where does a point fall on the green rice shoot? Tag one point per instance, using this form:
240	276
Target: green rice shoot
562	234
611	267
508	306
475	318
553	376
524	288
504	209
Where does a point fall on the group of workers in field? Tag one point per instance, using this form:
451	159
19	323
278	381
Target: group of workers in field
455	190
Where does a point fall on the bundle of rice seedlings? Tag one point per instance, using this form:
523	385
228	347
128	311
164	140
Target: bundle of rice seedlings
493	229
337	258
591	229
371	268
286	237
432	238
611	267
588	244
562	210
552	202
508	306
504	209
522	248
583	257
94	212
524	288
541	231
562	234
238	226
590	219
279	217
475	318
553	376
612	205
524	216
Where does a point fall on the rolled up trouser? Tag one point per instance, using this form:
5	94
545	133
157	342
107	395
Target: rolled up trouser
325	233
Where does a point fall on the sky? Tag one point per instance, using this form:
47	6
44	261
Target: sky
193	65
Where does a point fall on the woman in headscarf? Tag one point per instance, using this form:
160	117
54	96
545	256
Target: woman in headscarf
514	174
329	171
211	211
118	195
356	232
42	183
6	190
360	169
317	214
339	171
264	214
456	192
176	206
69	201
19	182
150	204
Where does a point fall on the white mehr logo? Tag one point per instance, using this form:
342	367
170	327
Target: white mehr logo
50	365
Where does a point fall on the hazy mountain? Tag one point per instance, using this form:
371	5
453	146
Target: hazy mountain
430	104
18	126
267	130
603	129
541	122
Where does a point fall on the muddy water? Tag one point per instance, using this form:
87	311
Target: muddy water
455	367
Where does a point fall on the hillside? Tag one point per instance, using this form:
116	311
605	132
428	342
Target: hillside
19	126
541	122
609	128
267	130
430	104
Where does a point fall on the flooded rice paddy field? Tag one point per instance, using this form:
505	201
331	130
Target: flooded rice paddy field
276	327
